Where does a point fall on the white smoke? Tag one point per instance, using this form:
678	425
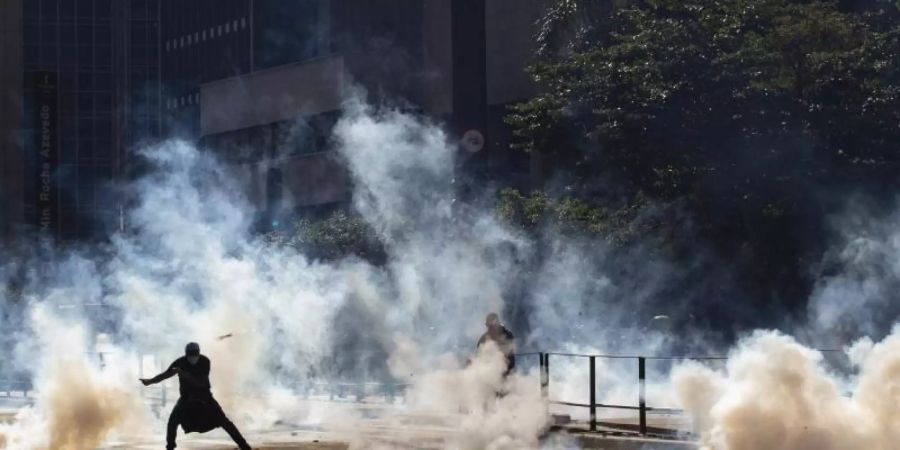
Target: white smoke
777	394
856	295
189	270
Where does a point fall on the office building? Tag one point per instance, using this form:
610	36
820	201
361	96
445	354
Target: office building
262	81
80	82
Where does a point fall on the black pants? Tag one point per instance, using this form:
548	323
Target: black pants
179	416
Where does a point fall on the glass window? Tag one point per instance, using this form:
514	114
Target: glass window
31	10
85	34
48	9
104	172
48	56
67	33
103	125
66	10
85	127
139	30
103	80
85	81
227	28
103	34
31	34
103	8
32	52
85	177
85	9
104	56
219	30
67	150
85	58
68	81
67	104
243	22
291	33
103	101
49	35
139	9
103	150
85	103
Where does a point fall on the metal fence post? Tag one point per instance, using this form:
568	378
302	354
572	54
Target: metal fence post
593	396
642	379
545	374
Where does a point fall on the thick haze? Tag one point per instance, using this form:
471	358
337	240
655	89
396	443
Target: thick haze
189	269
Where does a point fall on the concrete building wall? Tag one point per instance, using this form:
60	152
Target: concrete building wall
314	179
282	93
461	61
12	164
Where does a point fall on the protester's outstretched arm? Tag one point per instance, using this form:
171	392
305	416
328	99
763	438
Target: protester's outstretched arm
169	373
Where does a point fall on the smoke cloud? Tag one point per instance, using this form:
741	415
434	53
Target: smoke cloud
778	394
856	293
188	269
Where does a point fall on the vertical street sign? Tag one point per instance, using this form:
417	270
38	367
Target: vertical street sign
47	146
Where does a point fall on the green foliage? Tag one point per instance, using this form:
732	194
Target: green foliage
744	113
571	216
338	235
674	93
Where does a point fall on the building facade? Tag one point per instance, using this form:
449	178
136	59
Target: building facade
80	84
263	81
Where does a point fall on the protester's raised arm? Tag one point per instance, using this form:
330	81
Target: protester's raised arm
168	373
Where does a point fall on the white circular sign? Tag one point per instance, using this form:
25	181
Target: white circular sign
473	141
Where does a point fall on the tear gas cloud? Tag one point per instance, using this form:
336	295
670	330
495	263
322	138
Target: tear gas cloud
188	269
777	394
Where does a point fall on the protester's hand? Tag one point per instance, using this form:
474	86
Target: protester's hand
146	381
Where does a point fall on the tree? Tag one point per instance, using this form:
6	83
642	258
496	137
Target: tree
749	109
336	236
573	217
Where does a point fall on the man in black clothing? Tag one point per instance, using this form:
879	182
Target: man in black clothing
504	339
196	410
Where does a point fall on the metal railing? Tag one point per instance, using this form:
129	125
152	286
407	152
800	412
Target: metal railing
641	406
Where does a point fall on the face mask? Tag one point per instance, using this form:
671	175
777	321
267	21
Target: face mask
193	359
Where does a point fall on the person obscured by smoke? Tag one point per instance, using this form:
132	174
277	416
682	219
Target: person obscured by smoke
502	337
196	409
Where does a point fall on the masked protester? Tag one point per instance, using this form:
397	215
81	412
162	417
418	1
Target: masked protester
196	409
504	339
